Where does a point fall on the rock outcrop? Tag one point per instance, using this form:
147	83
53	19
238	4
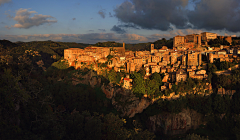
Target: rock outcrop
125	101
89	79
172	124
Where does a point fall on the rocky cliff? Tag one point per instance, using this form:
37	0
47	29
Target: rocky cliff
172	124
125	101
89	78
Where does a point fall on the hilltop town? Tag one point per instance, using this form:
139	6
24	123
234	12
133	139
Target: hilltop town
171	88
184	60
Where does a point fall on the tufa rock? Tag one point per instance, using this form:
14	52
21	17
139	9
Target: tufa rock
173	124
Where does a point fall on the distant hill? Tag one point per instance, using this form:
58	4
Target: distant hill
7	44
138	47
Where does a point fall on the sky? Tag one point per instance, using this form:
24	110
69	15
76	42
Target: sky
129	21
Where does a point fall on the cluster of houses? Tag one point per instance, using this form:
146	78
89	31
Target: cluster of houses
179	62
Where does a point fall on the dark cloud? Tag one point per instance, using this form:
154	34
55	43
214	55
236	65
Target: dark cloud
152	14
25	21
4	1
110	14
118	30
129	26
163	14
102	30
216	15
91	30
102	13
74	19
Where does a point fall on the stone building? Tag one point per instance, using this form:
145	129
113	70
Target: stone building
178	40
91	54
127	82
181	75
207	36
194	59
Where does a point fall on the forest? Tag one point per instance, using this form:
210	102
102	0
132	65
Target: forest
40	102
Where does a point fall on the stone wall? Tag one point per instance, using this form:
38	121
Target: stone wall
173	124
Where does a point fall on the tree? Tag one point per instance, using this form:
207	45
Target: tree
112	76
234	43
138	84
220	105
157	77
211	68
109	57
60	64
151	87
207	105
113	128
235	103
142	71
195	137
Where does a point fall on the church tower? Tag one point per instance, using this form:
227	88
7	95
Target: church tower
152	48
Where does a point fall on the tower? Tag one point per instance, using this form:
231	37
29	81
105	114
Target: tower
199	59
199	39
210	57
152	48
123	51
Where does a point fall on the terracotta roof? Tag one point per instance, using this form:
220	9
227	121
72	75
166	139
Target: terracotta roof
127	79
74	49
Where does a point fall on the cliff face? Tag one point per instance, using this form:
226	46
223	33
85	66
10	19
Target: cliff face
89	79
129	105
172	124
125	101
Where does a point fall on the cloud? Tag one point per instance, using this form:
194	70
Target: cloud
212	15
91	30
25	21
173	33
152	14
83	38
102	30
226	34
193	31
110	14
129	26
7	27
183	14
102	13
4	1
8	15
118	30
134	38
73	18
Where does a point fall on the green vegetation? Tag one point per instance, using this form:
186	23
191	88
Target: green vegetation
160	43
218	42
138	84
38	104
60	64
138	47
108	44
